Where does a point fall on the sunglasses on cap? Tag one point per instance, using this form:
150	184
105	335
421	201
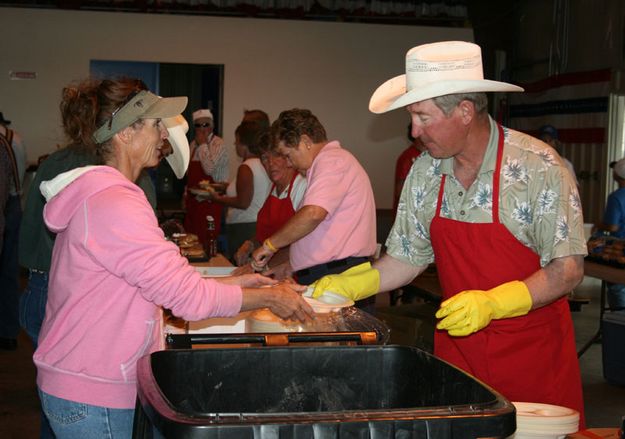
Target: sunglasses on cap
125	101
202	125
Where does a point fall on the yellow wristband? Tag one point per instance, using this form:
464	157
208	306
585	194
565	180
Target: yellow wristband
267	243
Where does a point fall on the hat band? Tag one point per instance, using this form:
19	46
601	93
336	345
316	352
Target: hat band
420	72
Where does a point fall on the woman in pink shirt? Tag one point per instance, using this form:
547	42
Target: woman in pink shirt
112	267
334	228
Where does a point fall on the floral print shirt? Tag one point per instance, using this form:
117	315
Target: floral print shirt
539	203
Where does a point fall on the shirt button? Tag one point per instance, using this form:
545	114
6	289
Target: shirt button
460	193
462	212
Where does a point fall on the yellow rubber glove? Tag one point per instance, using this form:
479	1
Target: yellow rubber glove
469	311
356	283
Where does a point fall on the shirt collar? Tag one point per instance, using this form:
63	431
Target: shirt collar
488	164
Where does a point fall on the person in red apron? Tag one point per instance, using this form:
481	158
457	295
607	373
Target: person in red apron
209	161
286	194
334	229
500	215
275	212
522	353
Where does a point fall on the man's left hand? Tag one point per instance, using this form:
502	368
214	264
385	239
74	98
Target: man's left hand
471	310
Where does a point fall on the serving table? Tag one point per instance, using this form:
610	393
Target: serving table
218	260
231	331
173	325
605	273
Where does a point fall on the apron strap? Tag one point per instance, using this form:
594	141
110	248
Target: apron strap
288	195
441	191
497	175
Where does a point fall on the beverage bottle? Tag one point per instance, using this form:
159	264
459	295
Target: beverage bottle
211	237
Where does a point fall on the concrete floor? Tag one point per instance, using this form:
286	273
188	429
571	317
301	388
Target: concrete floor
605	403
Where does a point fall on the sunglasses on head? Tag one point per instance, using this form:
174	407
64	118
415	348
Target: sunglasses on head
201	125
124	102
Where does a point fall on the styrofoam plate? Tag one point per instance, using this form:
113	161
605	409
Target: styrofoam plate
546	421
327	302
551	413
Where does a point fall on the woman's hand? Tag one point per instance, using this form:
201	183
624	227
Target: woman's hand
261	256
248	280
284	300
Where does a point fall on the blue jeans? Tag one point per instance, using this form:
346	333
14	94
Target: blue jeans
616	296
32	311
9	270
75	420
33	304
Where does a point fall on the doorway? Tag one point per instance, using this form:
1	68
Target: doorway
201	83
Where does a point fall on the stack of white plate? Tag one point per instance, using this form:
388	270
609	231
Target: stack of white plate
544	421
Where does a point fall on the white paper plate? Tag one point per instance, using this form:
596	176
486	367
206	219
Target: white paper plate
536	412
327	302
204	192
544	421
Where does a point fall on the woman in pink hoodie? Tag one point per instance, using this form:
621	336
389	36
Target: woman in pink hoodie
112	267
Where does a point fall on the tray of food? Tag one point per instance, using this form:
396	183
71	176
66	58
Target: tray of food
206	188
190	246
607	250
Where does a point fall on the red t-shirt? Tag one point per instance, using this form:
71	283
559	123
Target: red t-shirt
402	167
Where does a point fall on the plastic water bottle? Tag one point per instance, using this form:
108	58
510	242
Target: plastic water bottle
211	237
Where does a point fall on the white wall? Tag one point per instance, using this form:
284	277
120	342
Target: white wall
330	68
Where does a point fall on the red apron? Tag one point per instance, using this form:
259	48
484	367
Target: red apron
274	213
195	218
530	358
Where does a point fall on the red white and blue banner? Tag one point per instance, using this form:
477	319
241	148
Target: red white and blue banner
576	104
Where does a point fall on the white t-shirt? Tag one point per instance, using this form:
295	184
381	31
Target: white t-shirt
297	193
262	186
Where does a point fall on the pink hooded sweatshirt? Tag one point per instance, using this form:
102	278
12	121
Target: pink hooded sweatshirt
111	270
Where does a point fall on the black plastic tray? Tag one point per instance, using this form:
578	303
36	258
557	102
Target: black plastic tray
314	392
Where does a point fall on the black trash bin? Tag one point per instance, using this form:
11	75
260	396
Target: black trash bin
314	392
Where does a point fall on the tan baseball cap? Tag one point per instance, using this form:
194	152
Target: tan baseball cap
142	105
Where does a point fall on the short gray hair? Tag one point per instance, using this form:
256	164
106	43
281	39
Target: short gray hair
447	103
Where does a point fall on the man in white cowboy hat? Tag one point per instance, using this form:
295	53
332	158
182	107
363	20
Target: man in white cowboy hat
498	212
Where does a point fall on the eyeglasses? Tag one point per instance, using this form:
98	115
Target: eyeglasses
266	157
123	104
202	125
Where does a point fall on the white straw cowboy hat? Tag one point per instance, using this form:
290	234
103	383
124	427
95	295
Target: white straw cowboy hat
177	128
433	70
